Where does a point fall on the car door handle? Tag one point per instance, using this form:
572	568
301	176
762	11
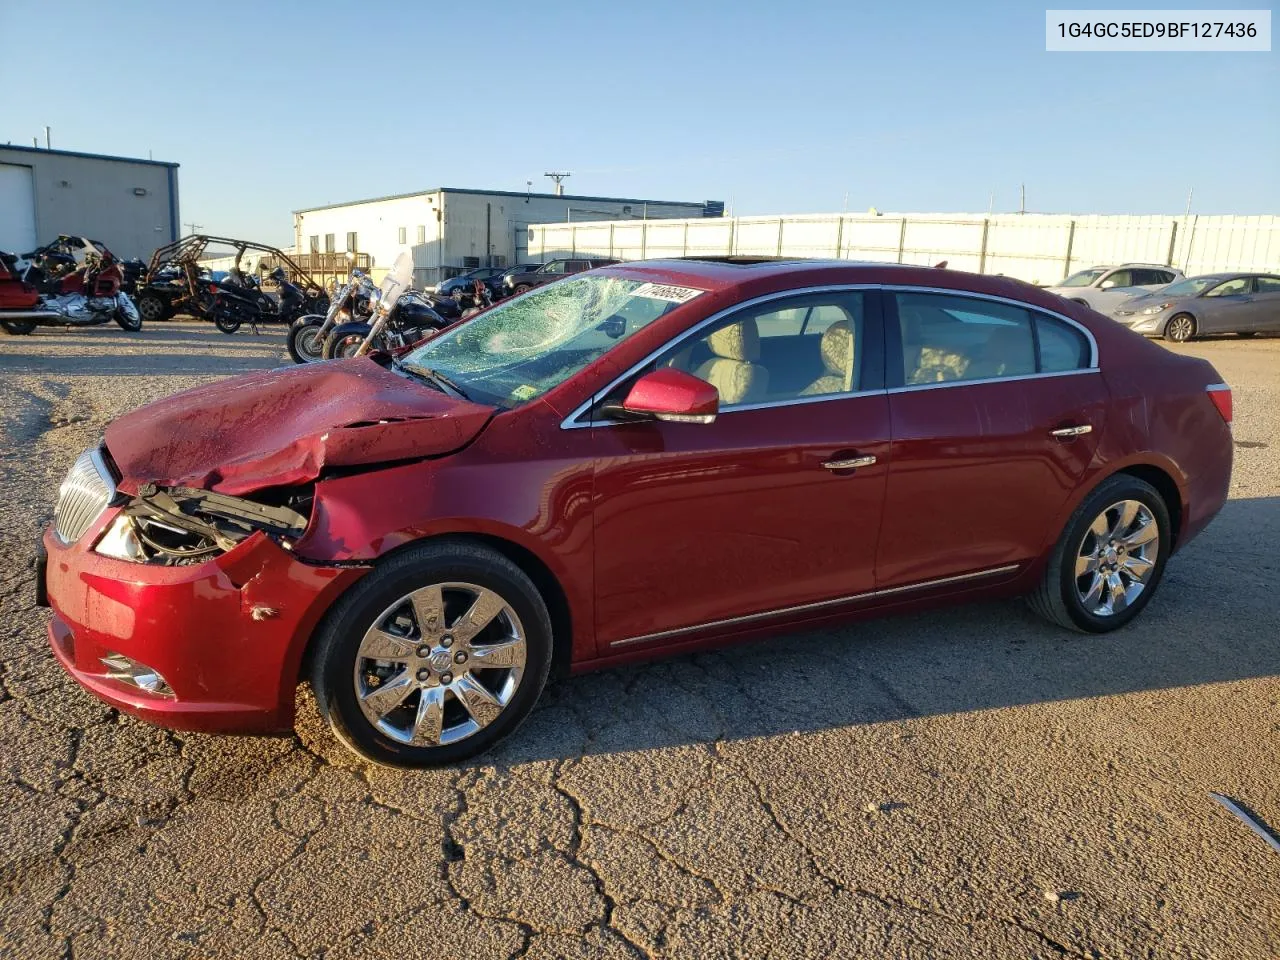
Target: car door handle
853	463
1079	431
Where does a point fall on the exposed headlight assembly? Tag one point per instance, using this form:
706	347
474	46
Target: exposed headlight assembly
183	525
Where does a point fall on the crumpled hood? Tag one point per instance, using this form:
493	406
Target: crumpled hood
286	426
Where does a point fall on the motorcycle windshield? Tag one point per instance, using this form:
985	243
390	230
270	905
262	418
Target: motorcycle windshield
398	279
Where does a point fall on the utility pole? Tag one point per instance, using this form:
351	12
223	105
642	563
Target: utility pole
1022	198
559	178
194	226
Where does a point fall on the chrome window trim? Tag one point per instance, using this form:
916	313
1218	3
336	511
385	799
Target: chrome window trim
571	421
911	388
818	605
1093	343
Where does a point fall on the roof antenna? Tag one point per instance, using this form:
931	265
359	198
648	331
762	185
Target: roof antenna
559	178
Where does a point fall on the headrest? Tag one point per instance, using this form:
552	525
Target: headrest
737	341
837	348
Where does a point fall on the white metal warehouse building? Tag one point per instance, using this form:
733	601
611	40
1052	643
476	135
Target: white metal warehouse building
130	205
450	230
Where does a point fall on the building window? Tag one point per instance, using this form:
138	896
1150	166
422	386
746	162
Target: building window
422	233
404	235
351	242
328	243
315	243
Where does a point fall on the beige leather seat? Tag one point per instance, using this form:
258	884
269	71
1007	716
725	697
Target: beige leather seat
838	349
732	369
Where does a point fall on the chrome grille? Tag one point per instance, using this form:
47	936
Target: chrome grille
83	496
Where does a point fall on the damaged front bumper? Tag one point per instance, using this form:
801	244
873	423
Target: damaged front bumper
226	634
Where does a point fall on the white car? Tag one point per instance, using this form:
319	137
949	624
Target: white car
1106	288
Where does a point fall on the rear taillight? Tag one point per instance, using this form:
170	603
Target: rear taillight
213	288
1220	394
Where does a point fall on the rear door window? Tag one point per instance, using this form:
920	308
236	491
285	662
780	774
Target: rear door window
948	338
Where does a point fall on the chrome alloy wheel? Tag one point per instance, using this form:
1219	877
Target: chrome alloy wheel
440	664
1117	557
1181	328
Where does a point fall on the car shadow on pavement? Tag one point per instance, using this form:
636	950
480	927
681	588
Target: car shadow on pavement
1215	619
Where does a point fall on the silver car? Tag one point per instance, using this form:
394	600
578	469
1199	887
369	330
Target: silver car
1105	288
1243	303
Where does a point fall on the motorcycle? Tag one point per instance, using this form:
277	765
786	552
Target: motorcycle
354	299
401	317
245	302
51	292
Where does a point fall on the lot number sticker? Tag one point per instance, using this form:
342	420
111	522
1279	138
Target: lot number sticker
666	291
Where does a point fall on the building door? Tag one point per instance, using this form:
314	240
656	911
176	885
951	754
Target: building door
17	209
520	244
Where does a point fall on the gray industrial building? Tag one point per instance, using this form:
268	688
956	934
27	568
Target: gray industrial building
449	230
130	205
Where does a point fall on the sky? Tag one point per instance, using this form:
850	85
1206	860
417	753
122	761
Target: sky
774	108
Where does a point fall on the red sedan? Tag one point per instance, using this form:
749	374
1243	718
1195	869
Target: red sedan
647	458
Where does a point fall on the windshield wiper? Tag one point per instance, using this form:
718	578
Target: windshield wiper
434	376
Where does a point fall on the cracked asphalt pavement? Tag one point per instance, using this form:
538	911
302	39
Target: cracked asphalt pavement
956	783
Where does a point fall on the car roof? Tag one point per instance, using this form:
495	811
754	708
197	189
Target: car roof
1119	266
1233	275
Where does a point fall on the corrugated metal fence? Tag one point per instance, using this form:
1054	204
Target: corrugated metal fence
1040	248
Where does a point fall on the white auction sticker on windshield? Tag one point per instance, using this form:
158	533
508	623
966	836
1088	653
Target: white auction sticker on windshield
666	291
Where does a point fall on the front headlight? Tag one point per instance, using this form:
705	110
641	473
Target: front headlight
120	541
1153	310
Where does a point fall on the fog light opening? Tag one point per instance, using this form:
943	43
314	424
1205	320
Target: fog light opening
122	668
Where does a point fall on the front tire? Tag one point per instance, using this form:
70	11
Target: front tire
18	328
521	288
1108	562
226	324
153	308
344	340
434	657
303	343
1180	328
128	316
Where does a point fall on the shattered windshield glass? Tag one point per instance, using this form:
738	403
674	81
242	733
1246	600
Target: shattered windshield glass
518	350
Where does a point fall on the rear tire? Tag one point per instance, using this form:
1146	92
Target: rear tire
345	661
1061	596
226	325
18	328
1180	328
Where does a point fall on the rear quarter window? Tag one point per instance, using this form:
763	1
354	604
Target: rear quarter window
1062	346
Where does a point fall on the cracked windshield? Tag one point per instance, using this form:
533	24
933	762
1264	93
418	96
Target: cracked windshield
521	349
